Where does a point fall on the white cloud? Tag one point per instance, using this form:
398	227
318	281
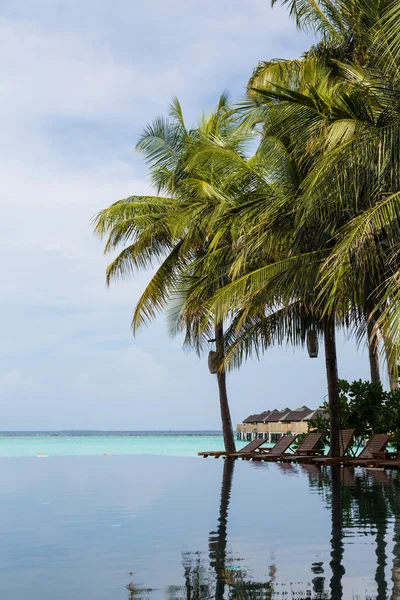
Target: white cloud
57	76
79	80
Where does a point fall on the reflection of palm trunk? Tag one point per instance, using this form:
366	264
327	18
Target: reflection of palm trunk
381	563
337	537
218	544
380	510
188	583
396	562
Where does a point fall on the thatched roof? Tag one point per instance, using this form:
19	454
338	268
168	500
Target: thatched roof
258	418
303	413
297	415
315	413
264	415
250	419
277	415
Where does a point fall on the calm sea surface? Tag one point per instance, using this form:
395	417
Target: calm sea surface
112	443
170	527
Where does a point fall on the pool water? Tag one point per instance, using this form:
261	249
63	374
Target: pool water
168	527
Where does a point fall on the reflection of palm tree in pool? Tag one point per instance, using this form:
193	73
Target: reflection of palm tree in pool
376	497
229	575
368	500
233	576
380	510
365	504
352	499
218	540
337	534
396	562
393	498
205	580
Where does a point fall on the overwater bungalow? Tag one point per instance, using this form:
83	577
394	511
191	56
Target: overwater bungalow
273	424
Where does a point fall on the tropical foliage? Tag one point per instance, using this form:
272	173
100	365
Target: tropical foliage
300	236
366	407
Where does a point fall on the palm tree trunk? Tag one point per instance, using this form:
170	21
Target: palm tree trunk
391	360
391	353
373	354
393	376
333	384
391	363
227	430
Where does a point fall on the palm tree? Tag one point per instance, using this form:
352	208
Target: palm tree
168	229
260	233
360	41
276	249
320	109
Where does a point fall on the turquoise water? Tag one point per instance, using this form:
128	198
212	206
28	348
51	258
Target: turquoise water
97	445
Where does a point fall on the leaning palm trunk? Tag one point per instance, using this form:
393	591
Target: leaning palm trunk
392	368
393	373
391	350
227	430
373	353
333	383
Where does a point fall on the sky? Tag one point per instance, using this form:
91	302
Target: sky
79	82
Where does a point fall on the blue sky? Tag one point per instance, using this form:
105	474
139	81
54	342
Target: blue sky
79	81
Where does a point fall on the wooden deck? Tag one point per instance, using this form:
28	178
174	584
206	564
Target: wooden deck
255	450
374	455
376	463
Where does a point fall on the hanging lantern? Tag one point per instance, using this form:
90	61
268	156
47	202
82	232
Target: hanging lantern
312	344
213	362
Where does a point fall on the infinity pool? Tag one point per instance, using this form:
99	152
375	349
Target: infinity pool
164	527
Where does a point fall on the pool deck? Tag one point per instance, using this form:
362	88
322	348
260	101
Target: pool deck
385	460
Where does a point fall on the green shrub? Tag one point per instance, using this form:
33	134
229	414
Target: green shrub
366	407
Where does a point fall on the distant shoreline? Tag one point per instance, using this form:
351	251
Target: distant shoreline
110	433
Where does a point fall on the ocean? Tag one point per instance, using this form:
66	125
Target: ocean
98	443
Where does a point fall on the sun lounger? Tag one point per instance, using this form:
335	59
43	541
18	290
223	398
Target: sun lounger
345	440
251	447
374	451
273	453
307	449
